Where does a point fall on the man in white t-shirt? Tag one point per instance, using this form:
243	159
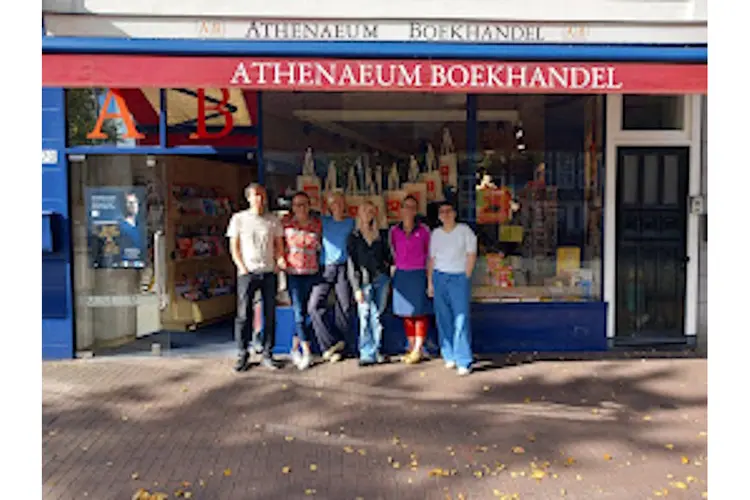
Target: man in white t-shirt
255	243
453	253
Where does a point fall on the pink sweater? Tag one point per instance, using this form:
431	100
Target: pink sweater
410	251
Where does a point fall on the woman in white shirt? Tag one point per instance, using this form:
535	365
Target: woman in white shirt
453	253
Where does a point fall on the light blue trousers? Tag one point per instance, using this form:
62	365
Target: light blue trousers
452	314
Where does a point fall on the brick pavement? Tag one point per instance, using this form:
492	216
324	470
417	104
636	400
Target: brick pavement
596	428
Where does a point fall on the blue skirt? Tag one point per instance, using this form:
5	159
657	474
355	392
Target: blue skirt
410	293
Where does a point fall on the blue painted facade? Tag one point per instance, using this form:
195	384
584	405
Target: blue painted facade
57	291
496	327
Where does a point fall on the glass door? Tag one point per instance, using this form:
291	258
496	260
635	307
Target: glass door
118	212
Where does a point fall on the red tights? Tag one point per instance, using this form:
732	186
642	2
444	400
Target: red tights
415	327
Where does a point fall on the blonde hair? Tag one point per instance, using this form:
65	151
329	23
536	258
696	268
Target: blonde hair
368	230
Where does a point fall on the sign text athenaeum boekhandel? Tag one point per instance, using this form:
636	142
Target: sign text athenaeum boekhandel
407	30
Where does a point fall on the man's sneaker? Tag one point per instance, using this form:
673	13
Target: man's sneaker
463	371
335	357
450	365
243	362
334	349
305	361
296	358
269	363
367	362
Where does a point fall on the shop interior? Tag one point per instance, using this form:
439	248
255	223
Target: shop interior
525	171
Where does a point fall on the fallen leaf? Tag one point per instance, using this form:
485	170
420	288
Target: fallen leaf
134	475
201	483
704	494
313	467
227	472
184	389
478	474
362	452
538	474
669	446
348	449
527	400
531	437
124	418
518	450
690	479
594	411
286	469
188	494
607	456
685	460
289	439
319	394
563	492
437	472
702	434
647	418
679	485
310	491
661	493
284	386
570	461
486	388
481	449
422	374
579	477
396	465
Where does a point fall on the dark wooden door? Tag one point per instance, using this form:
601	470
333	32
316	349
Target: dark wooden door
652	187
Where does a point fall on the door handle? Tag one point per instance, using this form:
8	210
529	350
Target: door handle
160	269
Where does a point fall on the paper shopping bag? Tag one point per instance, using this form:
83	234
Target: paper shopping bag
431	177
380	210
419	191
448	161
311	186
353	201
393	201
310	183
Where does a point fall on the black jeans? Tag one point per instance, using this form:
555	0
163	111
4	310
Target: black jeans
332	276
247	285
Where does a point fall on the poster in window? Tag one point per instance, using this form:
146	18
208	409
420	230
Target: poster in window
117	227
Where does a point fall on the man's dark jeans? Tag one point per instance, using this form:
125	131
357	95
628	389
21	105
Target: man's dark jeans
331	277
247	285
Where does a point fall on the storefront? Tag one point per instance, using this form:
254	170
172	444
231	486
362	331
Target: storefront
578	165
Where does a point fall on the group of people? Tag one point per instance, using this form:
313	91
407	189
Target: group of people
429	274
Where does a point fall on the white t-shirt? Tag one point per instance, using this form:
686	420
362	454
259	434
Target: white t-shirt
449	249
256	234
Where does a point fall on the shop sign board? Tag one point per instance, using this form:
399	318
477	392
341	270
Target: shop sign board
115	71
377	30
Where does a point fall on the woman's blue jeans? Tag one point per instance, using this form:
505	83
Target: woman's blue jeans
370	317
300	286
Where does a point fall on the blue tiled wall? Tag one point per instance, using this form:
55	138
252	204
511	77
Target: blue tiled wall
57	307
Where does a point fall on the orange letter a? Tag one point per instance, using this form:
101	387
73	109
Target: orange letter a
122	112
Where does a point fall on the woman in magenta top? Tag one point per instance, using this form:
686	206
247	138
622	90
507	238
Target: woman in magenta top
410	246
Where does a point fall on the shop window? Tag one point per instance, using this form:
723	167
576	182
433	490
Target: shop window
532	189
364	144
94	117
653	112
223	118
539	208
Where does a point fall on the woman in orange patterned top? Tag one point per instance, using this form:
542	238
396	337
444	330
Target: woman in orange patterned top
302	234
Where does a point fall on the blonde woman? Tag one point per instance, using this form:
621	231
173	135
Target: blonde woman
369	263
